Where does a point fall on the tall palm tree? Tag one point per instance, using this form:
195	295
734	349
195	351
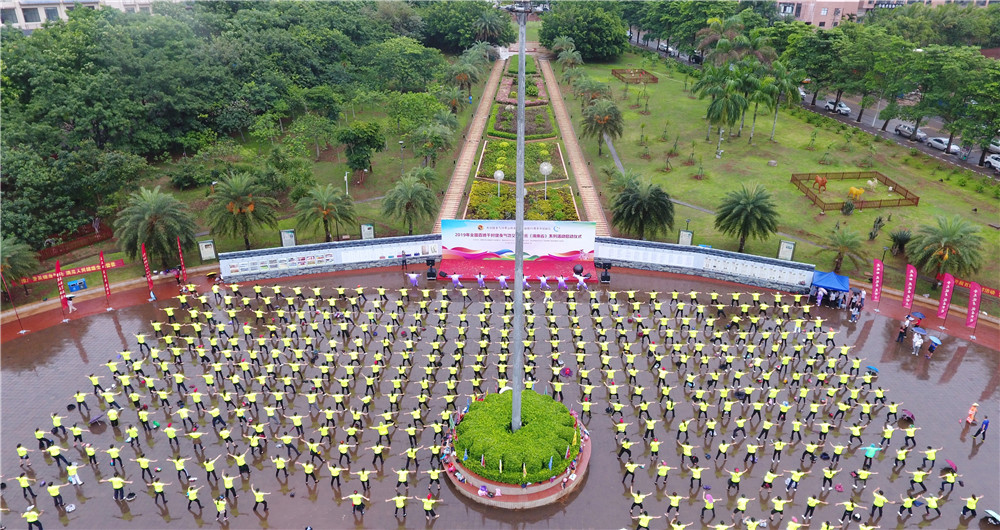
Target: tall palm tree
642	206
445	118
409	201
490	25
563	43
156	219
763	93
843	243
589	89
786	84
483	51
453	97
17	260
600	118
711	80
747	74
569	59
747	212
239	207
323	205
951	245
464	74
727	106
718	31
429	139
424	175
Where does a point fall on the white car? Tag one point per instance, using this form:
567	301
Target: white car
906	130
941	143
838	107
994	146
803	94
992	161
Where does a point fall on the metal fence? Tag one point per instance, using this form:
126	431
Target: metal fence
802	181
86	237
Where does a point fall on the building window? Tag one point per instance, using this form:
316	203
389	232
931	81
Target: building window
130	9
822	24
144	9
8	16
51	13
836	12
835	24
822	12
30	14
787	9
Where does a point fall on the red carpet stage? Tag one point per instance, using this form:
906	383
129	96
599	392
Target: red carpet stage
493	268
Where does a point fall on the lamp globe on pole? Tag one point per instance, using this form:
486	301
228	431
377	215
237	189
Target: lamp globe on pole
546	169
498	175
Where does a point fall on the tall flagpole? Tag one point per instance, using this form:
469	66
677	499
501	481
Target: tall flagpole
518	334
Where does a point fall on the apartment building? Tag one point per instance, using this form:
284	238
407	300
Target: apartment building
29	15
830	13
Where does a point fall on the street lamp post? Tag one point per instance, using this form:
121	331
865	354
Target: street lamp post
688	224
346	191
401	158
884	250
546	169
498	175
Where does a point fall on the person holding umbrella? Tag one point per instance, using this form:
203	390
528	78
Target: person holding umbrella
918	342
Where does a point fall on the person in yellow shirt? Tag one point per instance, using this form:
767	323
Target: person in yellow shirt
258	497
31	517
429	503
357	502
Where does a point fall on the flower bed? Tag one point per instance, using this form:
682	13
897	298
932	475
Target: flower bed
522	457
484	203
502	155
538	123
508	92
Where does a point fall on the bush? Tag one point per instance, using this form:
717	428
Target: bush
549	130
899	237
190	175
847	208
484	203
546	431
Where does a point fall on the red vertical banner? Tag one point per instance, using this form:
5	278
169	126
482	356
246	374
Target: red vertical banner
975	296
878	269
62	287
180	252
910	287
947	289
145	263
104	276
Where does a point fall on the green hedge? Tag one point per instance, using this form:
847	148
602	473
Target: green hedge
491	129
547	429
529	65
484	203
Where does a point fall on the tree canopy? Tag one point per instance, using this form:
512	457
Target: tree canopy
598	34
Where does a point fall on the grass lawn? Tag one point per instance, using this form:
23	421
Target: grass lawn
532	29
942	189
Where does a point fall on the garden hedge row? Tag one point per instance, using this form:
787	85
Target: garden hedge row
492	131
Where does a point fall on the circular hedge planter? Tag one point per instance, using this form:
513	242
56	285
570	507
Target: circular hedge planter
547	432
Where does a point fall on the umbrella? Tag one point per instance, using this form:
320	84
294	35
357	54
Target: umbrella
908	415
936	340
919	331
872	369
918	314
952	464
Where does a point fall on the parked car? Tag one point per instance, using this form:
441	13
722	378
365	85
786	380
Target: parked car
803	94
994	146
837	106
906	130
992	161
941	143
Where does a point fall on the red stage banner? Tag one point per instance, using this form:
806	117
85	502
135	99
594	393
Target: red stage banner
180	252
62	288
104	276
75	271
145	263
947	289
968	285
910	286
975	296
878	269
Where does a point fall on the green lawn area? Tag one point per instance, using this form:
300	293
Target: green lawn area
942	189
531	32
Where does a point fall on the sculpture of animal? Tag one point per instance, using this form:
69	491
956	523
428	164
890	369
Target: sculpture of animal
855	193
819	183
872	185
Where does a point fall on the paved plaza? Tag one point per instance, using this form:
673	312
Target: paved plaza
364	369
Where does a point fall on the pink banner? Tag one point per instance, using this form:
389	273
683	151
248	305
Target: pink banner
878	269
975	296
947	289
910	287
989	291
62	287
145	263
180	252
104	276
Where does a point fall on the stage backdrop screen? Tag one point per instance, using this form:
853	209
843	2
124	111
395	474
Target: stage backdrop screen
494	240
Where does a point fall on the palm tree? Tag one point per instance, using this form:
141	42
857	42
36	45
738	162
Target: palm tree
719	31
424	175
17	260
490	25
844	243
786	85
619	180
562	43
642	206
748	212
156	219
239	207
589	89
429	139
569	59
603	118
763	92
953	245
483	51
464	74
445	118
712	78
453	97
726	107
324	205
570	76
409	200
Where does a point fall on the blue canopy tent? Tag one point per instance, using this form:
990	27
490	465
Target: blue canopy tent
831	281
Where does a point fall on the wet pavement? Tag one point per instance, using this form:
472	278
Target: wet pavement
40	372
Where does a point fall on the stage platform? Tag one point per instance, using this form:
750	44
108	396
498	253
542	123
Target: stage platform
532	269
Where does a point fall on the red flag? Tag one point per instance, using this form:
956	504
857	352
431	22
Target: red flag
104	276
910	286
975	296
62	288
180	252
878	269
145	263
947	289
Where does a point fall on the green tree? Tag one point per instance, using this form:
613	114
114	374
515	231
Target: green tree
786	88
490	25
313	128
642	207
562	43
239	207
361	141
17	260
424	175
598	34
464	74
603	118
952	245
844	243
401	64
409	200
451	26
323	205
430	139
747	212
155	219
727	105
453	97
764	92
569	59
716	39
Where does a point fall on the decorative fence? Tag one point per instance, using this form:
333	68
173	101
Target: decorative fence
634	76
82	237
802	181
